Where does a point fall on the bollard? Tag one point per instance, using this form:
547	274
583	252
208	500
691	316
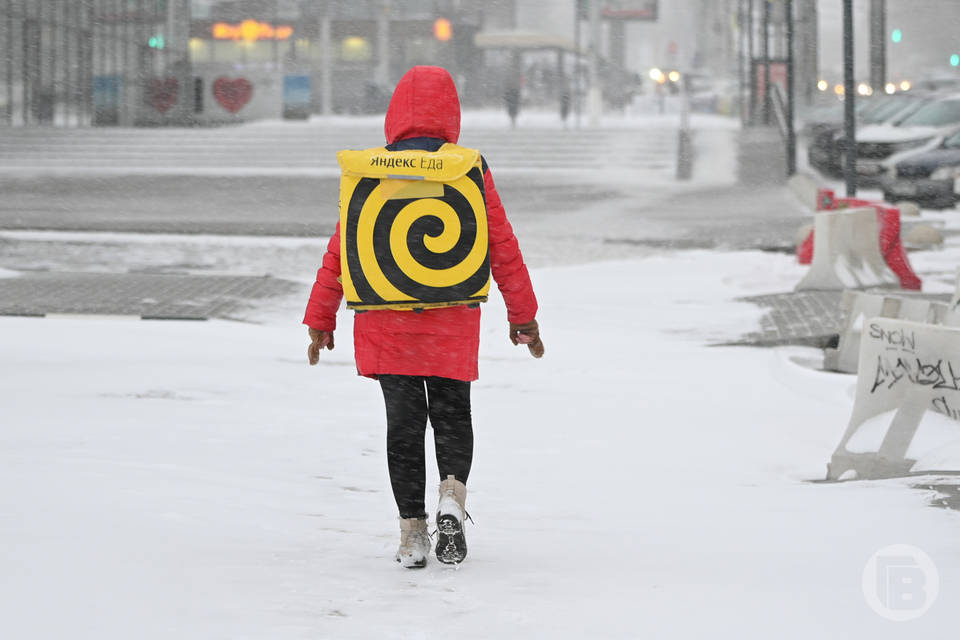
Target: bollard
684	155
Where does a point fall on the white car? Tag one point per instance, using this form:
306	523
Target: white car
881	146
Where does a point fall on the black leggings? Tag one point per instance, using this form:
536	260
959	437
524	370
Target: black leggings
409	400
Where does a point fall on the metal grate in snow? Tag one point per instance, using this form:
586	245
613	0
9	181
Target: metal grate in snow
148	296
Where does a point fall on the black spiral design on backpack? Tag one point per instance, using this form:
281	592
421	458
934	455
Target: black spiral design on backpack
422	221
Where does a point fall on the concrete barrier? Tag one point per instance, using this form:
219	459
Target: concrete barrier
955	300
858	307
826	200
942	314
891	244
805	188
923	236
906	414
846	252
908	208
917	310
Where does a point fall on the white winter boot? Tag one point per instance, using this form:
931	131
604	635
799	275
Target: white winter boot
414	543
451	543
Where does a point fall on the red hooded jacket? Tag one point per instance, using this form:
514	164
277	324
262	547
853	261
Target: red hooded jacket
435	342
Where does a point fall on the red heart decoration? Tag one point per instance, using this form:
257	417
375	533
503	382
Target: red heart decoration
232	94
162	93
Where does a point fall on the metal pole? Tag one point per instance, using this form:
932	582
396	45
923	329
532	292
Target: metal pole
114	37
751	73
176	60
66	87
618	53
274	43
39	91
99	53
849	100
741	60
8	54
576	66
94	9
814	47
766	62
122	63
82	11
594	95
326	104
70	27
878	44
382	73
791	94
88	39
684	146
28	59
806	50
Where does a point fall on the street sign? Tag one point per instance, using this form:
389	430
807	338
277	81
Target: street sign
621	9
630	9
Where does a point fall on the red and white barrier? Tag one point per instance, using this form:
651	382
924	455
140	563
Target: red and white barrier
888	235
846	253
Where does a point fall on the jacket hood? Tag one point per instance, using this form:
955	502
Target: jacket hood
424	104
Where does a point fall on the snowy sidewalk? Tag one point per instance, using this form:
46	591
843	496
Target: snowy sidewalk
198	480
183	480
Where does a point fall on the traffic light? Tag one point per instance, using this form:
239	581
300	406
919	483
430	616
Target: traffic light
156	42
897	35
442	29
955	60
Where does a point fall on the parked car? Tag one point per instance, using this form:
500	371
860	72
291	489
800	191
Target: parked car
881	146
945	82
931	178
817	119
825	150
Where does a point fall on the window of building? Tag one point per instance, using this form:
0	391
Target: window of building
355	49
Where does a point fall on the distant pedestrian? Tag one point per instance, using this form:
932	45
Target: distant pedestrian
565	103
421	229
511	98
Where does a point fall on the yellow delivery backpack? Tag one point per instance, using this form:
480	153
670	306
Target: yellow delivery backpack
413	228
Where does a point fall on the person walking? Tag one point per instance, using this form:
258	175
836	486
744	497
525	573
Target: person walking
421	230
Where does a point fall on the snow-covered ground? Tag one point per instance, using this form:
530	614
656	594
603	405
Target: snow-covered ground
199	480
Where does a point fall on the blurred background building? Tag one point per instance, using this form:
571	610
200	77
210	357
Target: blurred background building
196	62
79	62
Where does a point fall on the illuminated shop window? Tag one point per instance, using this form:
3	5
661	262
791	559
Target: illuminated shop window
355	49
199	50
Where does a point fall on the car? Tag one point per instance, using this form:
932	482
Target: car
946	82
830	115
884	145
931	178
826	147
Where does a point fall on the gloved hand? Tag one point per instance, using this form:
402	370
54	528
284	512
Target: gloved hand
528	334
318	340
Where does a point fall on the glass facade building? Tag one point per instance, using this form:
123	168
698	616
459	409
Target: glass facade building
195	62
83	62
